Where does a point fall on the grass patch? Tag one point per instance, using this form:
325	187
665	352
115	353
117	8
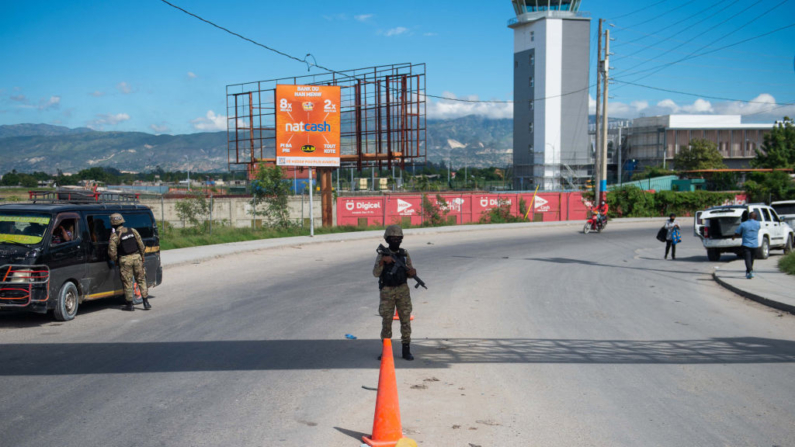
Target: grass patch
787	264
189	237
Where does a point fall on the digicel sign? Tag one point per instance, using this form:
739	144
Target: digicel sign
307	125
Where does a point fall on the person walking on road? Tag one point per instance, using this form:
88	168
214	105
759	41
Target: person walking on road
127	249
395	292
749	231
671	226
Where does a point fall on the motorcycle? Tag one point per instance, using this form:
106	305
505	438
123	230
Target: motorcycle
594	224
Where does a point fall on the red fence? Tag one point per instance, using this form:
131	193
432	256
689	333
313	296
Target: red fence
461	208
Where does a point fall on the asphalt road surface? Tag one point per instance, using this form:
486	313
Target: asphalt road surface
542	336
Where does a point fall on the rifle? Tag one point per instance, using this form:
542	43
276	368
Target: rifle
399	264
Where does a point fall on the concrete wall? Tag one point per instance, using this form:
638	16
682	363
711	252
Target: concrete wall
237	210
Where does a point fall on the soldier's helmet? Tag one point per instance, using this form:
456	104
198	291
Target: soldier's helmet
116	219
393	230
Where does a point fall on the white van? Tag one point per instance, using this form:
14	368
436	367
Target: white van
716	226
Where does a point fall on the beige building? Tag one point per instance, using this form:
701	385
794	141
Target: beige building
656	140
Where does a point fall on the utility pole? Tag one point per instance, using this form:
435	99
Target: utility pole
603	154
597	146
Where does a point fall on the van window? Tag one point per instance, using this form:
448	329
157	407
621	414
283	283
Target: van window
774	215
66	231
99	228
141	222
23	228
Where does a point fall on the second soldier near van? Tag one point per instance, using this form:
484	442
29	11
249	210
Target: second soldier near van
126	248
395	293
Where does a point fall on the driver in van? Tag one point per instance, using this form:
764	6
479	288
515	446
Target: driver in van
127	246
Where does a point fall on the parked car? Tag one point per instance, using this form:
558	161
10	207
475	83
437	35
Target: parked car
716	226
54	255
786	210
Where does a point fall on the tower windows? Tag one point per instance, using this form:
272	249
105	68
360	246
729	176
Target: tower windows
530	127
532	59
532	36
532	105
532	83
516	64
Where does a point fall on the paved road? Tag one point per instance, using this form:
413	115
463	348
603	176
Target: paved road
526	337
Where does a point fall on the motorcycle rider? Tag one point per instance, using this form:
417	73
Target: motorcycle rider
601	212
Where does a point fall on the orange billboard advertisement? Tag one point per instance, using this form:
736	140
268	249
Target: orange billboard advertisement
308	125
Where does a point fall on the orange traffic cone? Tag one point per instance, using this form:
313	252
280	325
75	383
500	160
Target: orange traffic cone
397	317
387	430
136	290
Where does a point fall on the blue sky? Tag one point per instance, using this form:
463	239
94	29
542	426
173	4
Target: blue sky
145	66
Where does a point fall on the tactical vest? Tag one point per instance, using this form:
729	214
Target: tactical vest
127	243
388	279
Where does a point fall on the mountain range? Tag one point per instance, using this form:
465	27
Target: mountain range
471	140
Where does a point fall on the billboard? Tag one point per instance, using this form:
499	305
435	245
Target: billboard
308	125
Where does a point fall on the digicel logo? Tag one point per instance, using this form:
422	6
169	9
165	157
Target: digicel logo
367	205
308	127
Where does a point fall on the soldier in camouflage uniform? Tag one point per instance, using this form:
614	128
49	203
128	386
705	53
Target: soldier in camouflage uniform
126	245
395	293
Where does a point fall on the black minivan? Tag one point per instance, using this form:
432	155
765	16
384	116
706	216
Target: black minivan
54	255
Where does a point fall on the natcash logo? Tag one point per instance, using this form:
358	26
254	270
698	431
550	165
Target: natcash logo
307	127
308	148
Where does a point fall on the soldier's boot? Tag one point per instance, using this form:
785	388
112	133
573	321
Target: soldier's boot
129	306
407	352
147	306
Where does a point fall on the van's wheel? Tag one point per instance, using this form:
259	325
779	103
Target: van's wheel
713	254
67	303
788	247
586	228
763	252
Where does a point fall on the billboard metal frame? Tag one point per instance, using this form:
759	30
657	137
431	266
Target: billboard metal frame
382	117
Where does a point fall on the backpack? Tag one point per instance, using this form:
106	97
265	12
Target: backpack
662	234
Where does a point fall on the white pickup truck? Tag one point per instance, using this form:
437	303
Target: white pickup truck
716	226
785	210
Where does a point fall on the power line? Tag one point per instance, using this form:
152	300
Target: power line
693	56
719	38
697	94
699	34
668	27
310	64
638	10
663	14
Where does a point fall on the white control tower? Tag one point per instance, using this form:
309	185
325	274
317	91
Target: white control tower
550	110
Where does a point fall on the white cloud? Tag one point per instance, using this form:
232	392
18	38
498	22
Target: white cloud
53	103
363	17
124	87
209	122
429	34
441	109
19	98
396	31
97	94
107	120
159	128
192	75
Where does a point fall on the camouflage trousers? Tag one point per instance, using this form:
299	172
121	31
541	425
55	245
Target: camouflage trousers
130	267
396	297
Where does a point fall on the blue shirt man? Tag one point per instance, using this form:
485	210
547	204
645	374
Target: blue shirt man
749	230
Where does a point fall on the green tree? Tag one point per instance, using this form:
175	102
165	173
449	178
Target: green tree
270	189
764	186
778	148
193	210
701	154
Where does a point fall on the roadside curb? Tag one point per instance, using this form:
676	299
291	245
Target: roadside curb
193	255
754	297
